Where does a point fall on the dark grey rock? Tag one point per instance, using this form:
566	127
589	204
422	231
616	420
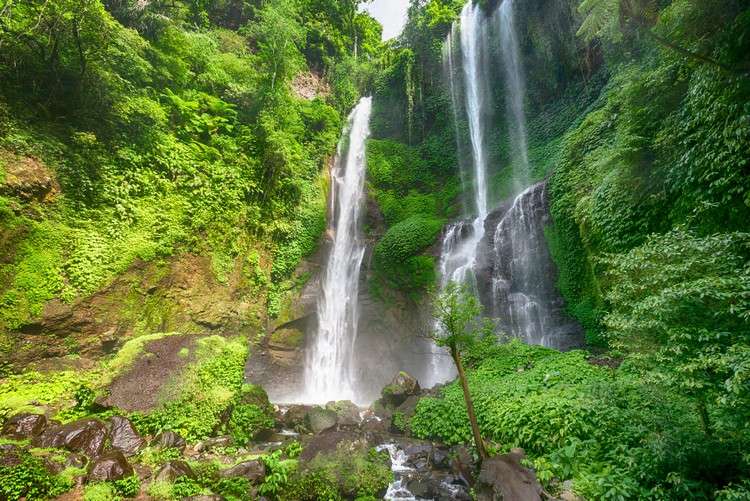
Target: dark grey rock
174	470
504	477
124	437
24	425
109	466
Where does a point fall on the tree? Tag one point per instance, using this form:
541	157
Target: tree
278	36
611	18
457	312
681	308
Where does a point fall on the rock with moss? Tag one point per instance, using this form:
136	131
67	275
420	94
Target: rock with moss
347	412
319	419
401	387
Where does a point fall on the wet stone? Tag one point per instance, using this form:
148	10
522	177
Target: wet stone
109	466
25	425
174	470
85	435
124	437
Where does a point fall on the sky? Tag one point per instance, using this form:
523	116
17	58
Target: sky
391	14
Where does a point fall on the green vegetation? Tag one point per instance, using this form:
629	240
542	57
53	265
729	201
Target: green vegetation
610	431
349	472
30	479
137	135
169	127
201	394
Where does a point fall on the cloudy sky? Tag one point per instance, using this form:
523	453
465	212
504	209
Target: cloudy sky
391	14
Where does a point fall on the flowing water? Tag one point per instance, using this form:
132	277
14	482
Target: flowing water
329	364
515	91
510	256
461	240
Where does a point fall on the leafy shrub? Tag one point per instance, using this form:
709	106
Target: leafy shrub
207	388
29	479
246	421
349	472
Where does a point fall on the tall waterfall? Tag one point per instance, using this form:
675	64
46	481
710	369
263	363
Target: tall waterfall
501	253
515	91
329	364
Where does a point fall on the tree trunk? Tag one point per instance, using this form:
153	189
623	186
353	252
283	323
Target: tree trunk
469	406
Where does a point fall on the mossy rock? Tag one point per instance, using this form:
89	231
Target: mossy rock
289	338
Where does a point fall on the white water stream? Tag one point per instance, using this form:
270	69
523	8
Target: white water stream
329	365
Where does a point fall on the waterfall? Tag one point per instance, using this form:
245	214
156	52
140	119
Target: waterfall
329	364
515	91
502	254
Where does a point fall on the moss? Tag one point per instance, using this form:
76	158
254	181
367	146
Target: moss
32	391
352	471
292	338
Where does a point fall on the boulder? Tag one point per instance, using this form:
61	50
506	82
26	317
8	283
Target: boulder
254	471
109	466
174	470
24	425
212	443
347	413
319	419
169	439
440	458
419	455
295	417
402	386
124	437
85	435
504	477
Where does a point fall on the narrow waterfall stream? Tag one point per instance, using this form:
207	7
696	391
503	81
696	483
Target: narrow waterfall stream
329	364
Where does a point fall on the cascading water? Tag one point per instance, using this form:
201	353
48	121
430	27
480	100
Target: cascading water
523	293
329	364
509	257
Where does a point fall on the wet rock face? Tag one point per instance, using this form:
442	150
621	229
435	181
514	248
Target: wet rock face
23	426
516	277
109	466
504	477
124	437
85	435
